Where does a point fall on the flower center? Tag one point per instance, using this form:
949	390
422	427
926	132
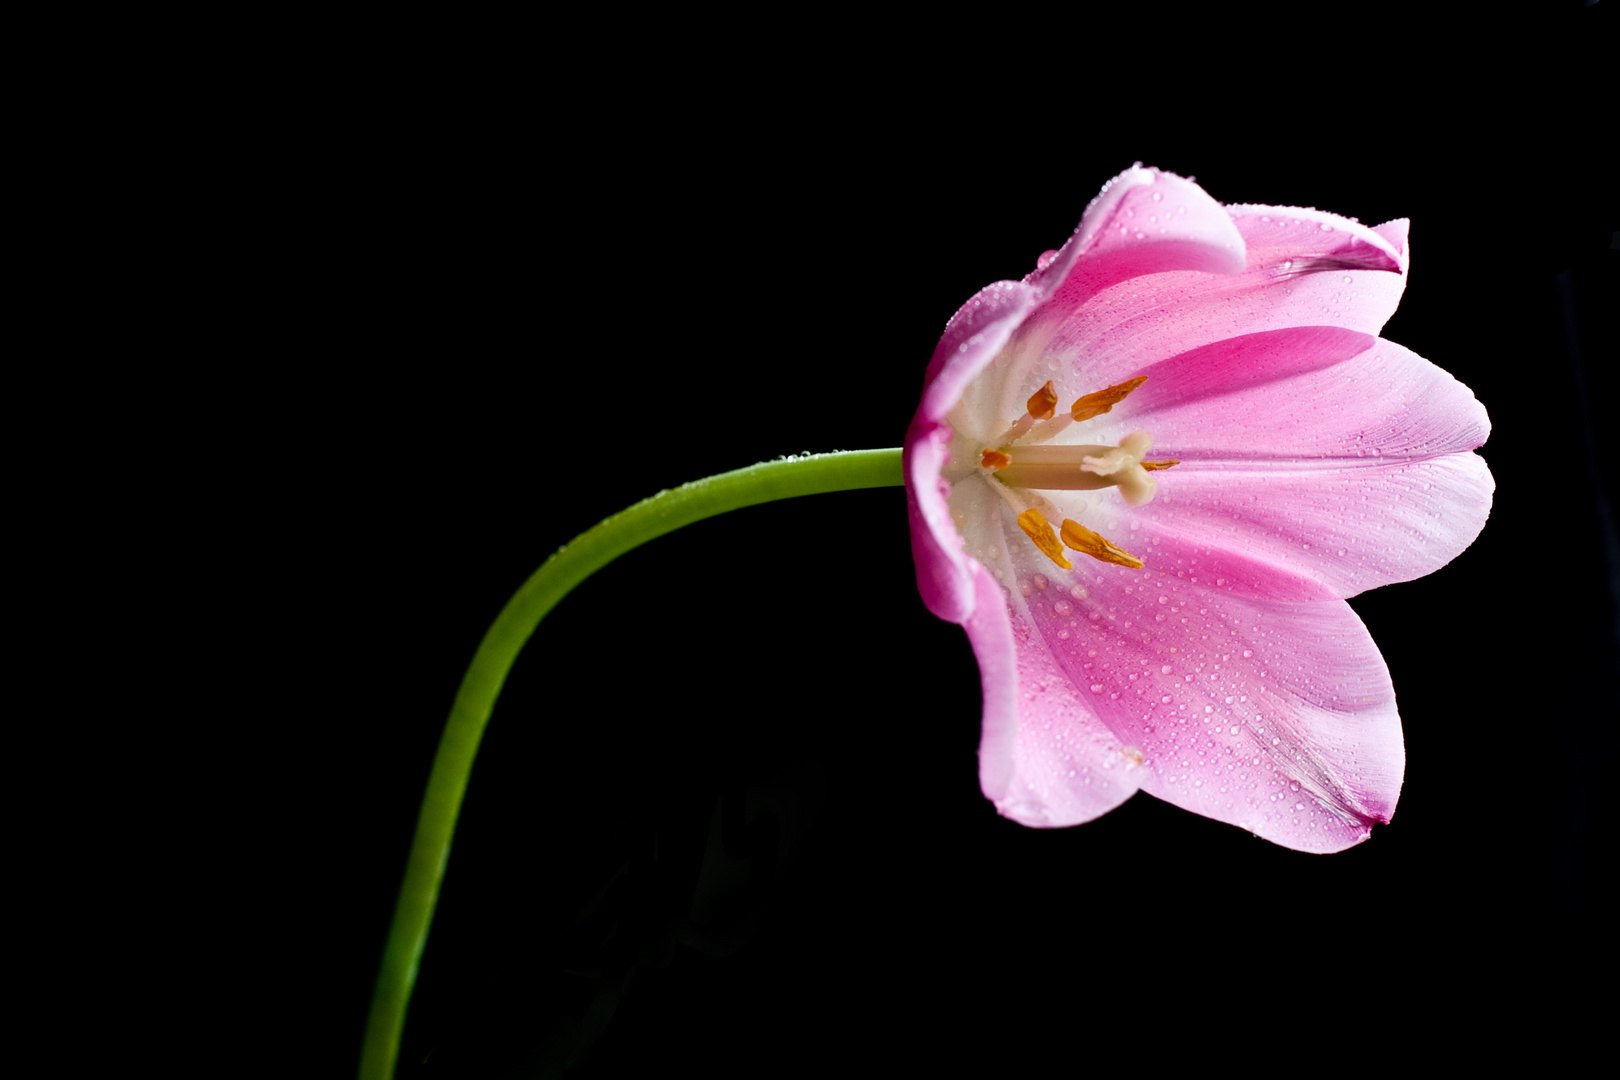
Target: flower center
1080	467
1025	461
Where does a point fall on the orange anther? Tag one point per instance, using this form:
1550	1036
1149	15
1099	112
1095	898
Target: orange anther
994	459
1033	522
1083	540
1104	400
1043	402
1152	466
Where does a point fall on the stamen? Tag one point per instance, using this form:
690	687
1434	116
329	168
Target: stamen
1040	406
1152	466
1043	402
994	459
1104	400
1082	539
1037	529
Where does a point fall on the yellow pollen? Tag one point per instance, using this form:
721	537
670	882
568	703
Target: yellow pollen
1082	539
1035	527
1104	400
994	459
1043	402
1152	466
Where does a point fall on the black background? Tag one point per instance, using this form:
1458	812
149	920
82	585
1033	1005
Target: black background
492	304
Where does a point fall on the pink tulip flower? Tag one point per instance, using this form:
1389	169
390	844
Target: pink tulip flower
1153	579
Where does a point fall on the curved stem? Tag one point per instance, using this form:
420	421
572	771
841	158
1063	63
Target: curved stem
589	552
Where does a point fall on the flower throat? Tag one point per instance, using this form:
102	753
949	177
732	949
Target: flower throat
1025	461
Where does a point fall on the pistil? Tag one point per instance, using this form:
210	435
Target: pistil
1080	467
1052	468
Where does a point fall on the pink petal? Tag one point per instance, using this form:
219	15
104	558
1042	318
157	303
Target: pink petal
1333	532
1309	393
1298	274
1318	755
1277	717
977	332
1303	476
944	573
990	634
973	338
1142	222
1310	237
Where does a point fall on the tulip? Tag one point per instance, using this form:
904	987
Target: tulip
1145	479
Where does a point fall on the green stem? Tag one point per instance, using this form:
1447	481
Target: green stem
589	552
